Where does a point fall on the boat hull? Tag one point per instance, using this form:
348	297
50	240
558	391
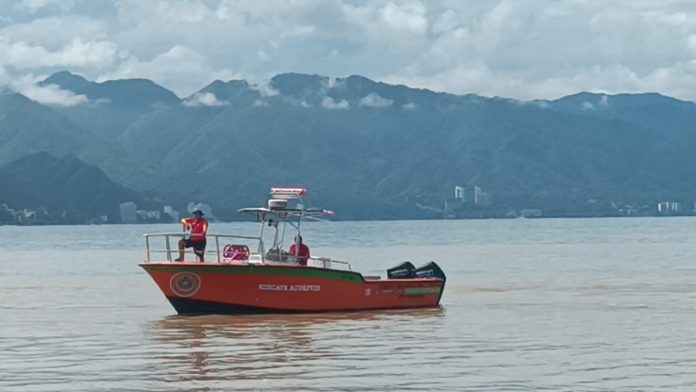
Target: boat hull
194	288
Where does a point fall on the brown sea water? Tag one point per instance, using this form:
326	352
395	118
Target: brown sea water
548	304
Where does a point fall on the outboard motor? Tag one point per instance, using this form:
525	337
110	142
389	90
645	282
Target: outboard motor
404	270
430	270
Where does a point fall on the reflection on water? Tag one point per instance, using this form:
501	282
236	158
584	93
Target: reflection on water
254	351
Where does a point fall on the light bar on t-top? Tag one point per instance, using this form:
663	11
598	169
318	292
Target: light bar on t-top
288	193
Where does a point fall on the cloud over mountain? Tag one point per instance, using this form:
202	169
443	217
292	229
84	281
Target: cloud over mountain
330	103
204	99
519	49
50	94
374	100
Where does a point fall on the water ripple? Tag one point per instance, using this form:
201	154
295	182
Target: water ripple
598	305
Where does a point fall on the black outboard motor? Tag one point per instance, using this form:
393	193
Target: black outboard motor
404	270
430	270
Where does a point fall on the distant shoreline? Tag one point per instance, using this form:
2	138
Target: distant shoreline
360	220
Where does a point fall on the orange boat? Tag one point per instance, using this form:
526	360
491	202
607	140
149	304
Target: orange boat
241	281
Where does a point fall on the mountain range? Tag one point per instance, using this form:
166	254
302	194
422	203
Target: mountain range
64	188
367	149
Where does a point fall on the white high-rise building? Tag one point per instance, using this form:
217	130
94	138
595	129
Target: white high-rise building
460	193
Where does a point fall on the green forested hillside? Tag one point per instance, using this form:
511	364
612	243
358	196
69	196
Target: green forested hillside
370	150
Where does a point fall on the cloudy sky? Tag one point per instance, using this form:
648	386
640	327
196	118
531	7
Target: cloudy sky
522	49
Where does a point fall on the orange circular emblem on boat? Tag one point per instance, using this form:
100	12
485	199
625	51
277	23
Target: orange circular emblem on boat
185	284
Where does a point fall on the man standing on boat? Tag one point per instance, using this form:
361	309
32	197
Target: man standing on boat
198	226
300	250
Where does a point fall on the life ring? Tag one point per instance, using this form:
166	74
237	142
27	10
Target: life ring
231	253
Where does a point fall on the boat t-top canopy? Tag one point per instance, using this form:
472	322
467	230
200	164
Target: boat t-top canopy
278	206
285	213
279	215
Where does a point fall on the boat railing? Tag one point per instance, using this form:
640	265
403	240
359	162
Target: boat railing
345	263
325	262
216	244
218	240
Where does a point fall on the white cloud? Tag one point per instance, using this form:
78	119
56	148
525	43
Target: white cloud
47	95
55	32
179	68
409	16
602	104
32	6
409	106
510	48
399	30
330	103
175	12
374	100
204	99
51	94
77	54
265	89
261	103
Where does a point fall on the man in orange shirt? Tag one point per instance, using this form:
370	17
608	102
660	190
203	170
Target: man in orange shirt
300	250
198	227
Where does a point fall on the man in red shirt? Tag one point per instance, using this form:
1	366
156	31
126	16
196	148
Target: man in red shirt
198	226
300	250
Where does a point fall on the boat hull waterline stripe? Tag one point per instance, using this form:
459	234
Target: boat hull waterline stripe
187	306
